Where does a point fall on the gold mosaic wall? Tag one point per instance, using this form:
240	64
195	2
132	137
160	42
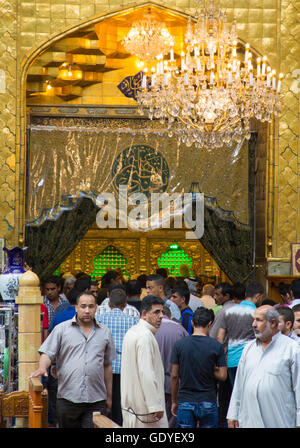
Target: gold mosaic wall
270	26
8	110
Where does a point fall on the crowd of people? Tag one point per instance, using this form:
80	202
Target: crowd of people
160	351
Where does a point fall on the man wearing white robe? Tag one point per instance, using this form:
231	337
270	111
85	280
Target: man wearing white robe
142	371
266	391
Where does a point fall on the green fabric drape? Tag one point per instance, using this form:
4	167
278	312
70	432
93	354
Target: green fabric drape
50	243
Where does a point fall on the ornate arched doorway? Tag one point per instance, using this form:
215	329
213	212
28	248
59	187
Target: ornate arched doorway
85	137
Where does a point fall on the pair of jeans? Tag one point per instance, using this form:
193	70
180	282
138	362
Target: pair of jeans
206	413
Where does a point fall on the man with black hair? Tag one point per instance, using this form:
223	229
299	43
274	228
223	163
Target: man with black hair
286	322
109	278
236	324
156	285
82	284
68	312
238	292
94	288
142	370
295	293
105	308
284	291
224	298
82	275
197	361
83	351
181	296
296	326
163	272
133	292
52	299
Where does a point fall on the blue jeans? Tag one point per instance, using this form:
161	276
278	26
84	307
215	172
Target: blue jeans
206	413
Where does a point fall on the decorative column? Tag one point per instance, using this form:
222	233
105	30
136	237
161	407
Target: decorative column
143	259
29	302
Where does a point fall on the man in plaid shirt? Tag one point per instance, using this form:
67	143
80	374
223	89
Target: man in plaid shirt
104	307
119	323
53	297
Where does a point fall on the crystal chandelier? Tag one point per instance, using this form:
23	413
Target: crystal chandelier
148	38
208	96
69	72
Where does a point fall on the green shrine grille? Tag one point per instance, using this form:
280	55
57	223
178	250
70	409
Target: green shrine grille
111	257
173	258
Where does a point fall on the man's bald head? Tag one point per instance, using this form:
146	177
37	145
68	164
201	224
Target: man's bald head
270	312
264	308
208	290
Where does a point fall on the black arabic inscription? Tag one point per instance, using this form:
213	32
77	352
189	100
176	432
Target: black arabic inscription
142	169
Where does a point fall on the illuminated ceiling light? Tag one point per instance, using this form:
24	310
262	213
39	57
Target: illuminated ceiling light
208	97
69	72
148	38
48	88
140	64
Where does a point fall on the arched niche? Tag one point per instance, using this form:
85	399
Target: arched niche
106	63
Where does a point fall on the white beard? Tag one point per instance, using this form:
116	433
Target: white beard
265	334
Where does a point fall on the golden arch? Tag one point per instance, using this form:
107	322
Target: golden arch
21	115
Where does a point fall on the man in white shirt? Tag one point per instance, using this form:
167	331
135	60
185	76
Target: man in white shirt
142	370
266	392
